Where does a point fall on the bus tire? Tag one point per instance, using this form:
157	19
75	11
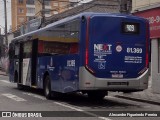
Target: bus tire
47	87
19	86
97	95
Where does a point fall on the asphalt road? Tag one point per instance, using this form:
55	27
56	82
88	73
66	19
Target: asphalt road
78	106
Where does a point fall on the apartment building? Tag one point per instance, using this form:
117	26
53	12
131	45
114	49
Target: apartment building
150	9
25	10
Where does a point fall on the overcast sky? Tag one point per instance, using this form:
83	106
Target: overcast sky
2	20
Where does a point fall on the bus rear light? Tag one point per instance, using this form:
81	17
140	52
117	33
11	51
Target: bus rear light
90	70
86	60
87	48
143	70
147	44
87	42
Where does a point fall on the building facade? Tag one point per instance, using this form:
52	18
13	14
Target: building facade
25	10
150	9
105	6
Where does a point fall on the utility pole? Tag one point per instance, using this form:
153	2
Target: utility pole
5	13
43	13
125	6
42	2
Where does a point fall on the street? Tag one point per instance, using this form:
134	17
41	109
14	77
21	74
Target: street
12	99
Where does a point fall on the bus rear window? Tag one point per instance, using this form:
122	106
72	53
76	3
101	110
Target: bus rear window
131	28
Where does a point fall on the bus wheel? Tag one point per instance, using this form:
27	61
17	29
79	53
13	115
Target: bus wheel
47	87
97	95
19	86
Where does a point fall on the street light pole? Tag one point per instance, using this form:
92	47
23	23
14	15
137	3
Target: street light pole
42	2
5	13
43	13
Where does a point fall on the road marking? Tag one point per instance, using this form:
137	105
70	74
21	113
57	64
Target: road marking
5	81
34	95
80	110
14	97
67	106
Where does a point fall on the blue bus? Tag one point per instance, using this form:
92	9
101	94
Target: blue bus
90	53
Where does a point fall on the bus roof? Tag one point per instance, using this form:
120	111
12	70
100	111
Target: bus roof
30	34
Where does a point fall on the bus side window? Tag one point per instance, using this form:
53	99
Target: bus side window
74	34
27	51
73	48
16	52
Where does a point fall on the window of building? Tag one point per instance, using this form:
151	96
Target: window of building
20	1
30	18
55	4
20	10
30	2
47	3
62	4
31	10
47	11
55	12
21	19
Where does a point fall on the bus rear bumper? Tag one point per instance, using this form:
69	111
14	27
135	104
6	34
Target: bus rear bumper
89	82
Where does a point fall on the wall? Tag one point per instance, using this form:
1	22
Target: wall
150	9
137	4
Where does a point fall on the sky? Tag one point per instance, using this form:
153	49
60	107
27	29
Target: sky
2	19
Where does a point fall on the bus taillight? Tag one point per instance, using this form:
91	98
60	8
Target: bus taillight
147	45
87	43
86	60
87	48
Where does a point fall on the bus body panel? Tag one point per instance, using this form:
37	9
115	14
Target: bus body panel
63	72
90	82
112	53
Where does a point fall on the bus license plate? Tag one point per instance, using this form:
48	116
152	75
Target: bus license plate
117	75
118	83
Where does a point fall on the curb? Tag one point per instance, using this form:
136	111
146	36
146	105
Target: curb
139	100
3	74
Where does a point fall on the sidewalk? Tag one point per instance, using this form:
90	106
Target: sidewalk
3	73
146	96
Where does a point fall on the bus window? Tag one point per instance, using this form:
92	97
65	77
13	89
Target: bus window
17	48
73	48
27	49
53	47
63	39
